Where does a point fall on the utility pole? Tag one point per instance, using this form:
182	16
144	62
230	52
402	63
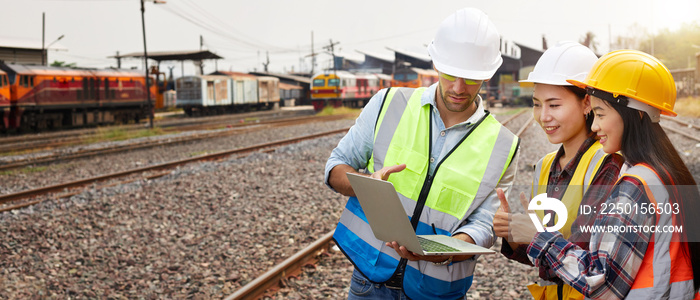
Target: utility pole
265	64
313	55
43	30
331	48
201	42
145	61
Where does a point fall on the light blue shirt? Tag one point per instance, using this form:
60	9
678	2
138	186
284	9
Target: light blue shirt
355	150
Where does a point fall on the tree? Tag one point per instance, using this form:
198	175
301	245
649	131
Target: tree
589	41
57	63
636	34
675	48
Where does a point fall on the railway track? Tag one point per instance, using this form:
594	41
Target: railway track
681	128
163	141
267	283
49	140
29	197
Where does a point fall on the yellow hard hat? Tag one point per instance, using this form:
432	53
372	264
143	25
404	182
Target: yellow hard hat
633	78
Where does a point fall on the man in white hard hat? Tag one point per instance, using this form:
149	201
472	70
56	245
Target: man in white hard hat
443	153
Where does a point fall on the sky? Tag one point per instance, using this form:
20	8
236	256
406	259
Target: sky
246	33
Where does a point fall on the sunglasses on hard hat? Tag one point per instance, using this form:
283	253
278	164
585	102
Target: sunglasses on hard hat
453	78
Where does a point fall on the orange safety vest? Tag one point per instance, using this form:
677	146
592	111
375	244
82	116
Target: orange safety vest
666	272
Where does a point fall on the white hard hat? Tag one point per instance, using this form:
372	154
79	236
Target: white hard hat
566	60
467	45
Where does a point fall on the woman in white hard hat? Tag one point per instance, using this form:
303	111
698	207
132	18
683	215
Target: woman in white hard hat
563	111
644	242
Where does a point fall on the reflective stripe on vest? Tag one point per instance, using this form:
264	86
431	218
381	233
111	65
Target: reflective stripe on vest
665	272
459	186
587	167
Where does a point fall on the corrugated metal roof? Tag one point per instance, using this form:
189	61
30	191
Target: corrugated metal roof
301	79
40	70
25	43
423	57
386	58
286	86
171	55
233	74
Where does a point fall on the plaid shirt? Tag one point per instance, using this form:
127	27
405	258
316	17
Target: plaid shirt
594	196
608	269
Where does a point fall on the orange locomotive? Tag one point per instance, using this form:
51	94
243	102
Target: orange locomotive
414	77
4	100
51	97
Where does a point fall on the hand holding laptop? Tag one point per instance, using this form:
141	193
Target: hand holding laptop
389	223
436	259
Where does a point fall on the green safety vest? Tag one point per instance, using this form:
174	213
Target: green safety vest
438	204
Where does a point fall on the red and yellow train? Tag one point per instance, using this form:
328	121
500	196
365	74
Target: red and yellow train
342	88
40	97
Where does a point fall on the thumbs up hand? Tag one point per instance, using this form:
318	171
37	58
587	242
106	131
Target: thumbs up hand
515	228
501	221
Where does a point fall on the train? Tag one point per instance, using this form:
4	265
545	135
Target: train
40	97
343	88
231	92
414	77
37	98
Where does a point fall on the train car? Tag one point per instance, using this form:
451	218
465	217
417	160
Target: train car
327	88
169	99
161	89
233	92
384	80
337	88
4	101
269	95
203	95
414	77
51	97
367	85
245	91
290	94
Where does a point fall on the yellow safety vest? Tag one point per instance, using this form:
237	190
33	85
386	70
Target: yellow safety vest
586	169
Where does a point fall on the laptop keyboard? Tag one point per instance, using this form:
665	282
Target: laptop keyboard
433	246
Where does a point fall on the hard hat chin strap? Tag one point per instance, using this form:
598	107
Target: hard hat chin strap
653	112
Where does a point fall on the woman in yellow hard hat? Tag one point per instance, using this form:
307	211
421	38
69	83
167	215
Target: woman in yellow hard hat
563	111
644	242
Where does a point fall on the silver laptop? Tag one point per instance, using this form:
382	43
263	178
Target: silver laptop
387	218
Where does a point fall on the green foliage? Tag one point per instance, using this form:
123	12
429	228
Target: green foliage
331	111
57	63
674	48
119	134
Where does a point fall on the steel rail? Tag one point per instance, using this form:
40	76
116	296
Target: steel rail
525	126
676	131
506	121
158	142
686	124
292	265
59	187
